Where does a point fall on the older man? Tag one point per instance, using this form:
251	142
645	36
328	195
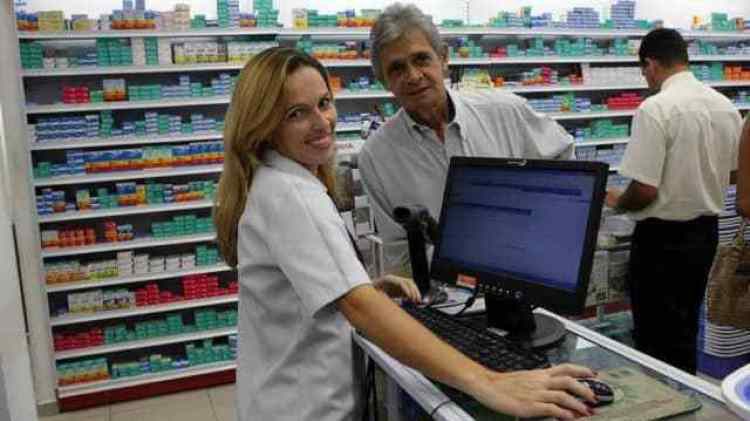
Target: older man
406	160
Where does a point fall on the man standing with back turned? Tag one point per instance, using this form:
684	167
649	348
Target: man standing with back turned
682	149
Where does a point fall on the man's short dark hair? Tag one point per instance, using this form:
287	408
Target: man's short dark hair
666	46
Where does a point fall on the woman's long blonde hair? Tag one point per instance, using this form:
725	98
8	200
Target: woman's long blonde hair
255	112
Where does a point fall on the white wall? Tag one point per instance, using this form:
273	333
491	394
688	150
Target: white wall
15	162
676	13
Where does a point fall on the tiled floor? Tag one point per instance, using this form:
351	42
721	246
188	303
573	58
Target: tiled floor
216	404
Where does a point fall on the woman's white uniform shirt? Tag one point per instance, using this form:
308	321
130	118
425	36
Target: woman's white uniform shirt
295	259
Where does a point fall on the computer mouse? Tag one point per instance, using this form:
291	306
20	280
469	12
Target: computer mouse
603	392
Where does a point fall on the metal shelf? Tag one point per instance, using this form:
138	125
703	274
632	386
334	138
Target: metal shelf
365	94
453	61
591	115
140	243
74	286
541	60
603	142
571	88
129	175
139	311
104	385
125	210
166	68
113	70
147	343
365	32
348	127
122	141
36	35
126	105
171	103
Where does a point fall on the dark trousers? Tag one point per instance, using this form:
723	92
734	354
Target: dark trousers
669	265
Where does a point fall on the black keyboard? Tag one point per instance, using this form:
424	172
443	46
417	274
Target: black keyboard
485	347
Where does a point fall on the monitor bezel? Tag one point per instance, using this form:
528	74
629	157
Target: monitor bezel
557	300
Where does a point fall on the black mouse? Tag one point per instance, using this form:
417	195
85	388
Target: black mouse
603	392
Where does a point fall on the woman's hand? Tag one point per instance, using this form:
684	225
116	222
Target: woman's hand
538	393
398	287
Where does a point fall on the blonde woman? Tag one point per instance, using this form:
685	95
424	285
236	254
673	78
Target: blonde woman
302	288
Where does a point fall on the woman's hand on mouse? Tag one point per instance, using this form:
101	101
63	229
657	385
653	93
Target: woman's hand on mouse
398	287
538	393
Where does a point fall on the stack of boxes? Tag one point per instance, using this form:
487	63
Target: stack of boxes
97	301
75	95
145	51
51	21
466	48
32	55
742	98
624	101
583	18
81	163
623	14
575	47
266	15
127	264
208	353
607	76
601	129
180	18
721	22
86	339
506	20
26	21
182	225
82	23
198	22
82	372
228	13
113	52
708	72
233	341
206	256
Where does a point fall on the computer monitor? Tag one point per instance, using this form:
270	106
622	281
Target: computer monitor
525	232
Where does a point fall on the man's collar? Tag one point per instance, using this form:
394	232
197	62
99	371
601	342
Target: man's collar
683	76
454	102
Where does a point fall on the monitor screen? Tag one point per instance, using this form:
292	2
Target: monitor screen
523	225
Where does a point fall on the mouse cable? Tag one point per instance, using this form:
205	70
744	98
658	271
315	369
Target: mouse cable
469	302
437	408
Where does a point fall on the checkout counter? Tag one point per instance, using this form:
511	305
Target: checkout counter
580	346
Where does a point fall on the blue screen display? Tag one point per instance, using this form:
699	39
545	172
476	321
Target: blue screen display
518	222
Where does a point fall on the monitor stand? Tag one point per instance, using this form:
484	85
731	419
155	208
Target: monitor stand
514	315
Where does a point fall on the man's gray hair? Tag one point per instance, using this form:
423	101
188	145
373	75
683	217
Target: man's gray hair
395	21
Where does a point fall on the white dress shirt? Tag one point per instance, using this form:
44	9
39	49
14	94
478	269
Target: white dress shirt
295	259
405	163
684	141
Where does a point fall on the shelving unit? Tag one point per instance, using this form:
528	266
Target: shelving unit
106	385
148	343
132	280
139	311
146	242
347	99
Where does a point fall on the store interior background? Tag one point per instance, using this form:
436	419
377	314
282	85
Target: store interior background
674	13
677	13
